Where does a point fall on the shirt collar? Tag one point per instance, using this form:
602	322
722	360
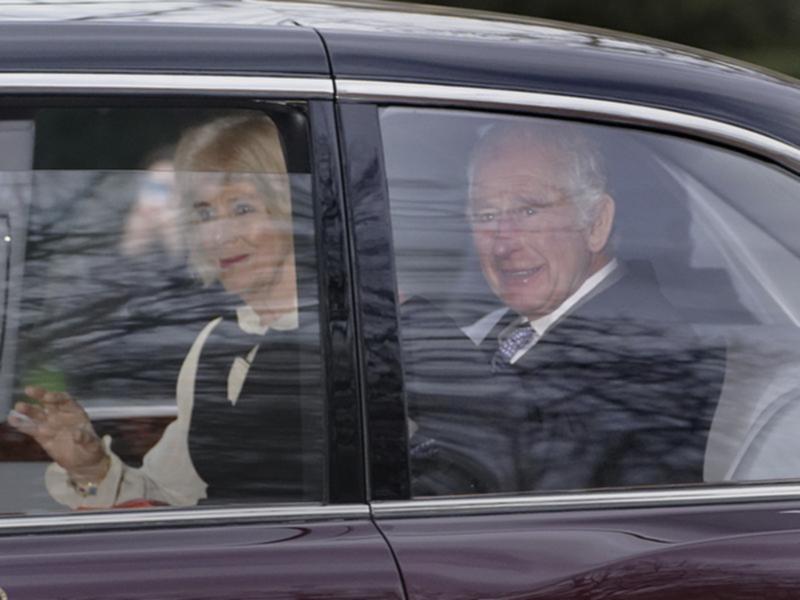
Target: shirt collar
250	322
542	324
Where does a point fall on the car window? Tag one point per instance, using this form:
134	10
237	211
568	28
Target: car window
590	307
159	268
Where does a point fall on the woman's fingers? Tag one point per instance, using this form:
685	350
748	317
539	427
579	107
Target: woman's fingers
31	411
49	414
27	418
54	406
59	424
48	399
21	421
35	392
57	401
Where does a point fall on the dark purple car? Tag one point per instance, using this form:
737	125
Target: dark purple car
546	337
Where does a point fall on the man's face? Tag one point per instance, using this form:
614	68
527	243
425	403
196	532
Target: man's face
534	248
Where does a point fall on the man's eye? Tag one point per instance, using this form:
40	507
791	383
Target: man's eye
484	217
524	212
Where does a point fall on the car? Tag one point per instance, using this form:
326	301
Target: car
399	470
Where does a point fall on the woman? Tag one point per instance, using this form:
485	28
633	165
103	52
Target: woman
227	442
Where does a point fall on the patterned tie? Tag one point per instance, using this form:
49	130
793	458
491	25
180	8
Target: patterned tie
521	337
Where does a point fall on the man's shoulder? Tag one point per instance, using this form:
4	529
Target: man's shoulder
631	320
634	295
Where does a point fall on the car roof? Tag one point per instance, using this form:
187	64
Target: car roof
396	42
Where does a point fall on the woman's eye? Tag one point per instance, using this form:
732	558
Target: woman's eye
484	217
203	214
243	208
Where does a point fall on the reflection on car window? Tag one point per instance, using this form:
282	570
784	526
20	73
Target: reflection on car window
162	316
587	308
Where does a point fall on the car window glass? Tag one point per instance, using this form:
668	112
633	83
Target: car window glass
159	267
588	307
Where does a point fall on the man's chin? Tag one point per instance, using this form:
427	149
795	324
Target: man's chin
526	304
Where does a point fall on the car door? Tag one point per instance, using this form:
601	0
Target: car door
102	299
482	490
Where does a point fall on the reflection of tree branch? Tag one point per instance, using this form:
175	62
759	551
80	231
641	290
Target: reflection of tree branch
685	578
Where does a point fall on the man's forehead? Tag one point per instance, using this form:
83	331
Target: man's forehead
492	183
519	147
518	167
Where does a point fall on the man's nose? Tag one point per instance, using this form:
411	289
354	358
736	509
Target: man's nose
505	237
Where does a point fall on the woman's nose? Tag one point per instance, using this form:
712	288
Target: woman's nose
222	231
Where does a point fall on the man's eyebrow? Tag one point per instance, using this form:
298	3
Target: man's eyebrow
535	200
477	206
200	204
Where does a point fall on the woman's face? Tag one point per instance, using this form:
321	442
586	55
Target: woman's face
242	238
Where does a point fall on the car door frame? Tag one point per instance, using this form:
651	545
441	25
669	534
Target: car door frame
334	546
578	527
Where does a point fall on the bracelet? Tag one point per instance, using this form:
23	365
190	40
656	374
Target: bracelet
90	488
84	489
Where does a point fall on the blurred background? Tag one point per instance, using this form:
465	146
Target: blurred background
764	32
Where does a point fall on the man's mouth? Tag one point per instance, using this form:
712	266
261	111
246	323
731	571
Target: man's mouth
519	275
225	263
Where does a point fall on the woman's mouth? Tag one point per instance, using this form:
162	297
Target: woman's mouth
228	262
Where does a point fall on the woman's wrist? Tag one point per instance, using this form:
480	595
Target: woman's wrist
85	477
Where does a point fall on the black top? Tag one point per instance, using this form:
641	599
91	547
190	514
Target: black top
268	445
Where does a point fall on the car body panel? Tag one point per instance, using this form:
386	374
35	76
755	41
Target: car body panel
680	552
424	44
587	68
141	48
730	549
336	559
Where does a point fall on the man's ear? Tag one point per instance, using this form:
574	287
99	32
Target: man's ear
600	228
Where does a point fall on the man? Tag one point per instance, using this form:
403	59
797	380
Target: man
591	379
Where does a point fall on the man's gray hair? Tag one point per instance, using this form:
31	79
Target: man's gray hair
584	180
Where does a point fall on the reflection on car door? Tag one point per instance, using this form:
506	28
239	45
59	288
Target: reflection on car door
326	555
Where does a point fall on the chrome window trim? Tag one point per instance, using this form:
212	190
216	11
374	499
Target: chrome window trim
307	87
132	412
483	505
573	106
183	517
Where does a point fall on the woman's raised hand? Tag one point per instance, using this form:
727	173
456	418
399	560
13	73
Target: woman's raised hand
61	426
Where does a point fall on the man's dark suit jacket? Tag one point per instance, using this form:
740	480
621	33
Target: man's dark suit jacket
619	392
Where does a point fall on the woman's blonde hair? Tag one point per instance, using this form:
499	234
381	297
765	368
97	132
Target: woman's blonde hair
231	148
